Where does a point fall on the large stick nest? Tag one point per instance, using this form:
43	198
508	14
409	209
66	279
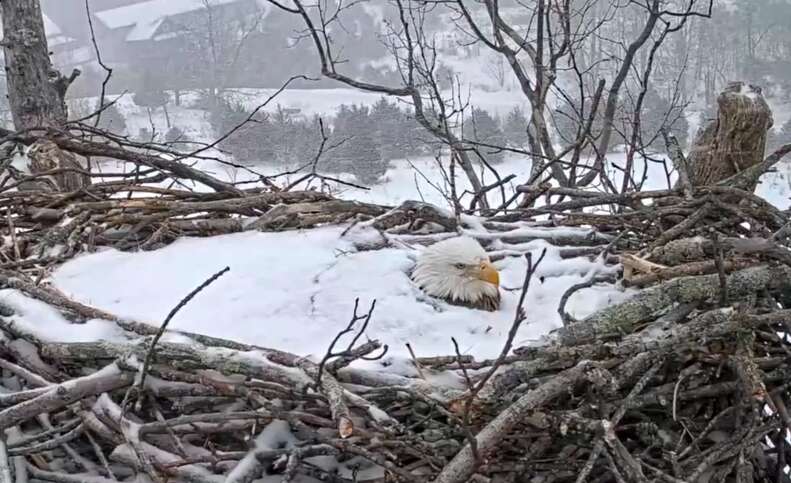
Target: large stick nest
687	381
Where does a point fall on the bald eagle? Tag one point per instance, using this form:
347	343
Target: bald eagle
459	271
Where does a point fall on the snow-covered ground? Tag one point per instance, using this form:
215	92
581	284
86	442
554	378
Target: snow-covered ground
295	290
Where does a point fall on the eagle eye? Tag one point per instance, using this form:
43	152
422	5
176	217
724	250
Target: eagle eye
460	266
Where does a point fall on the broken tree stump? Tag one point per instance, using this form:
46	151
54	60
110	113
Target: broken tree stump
735	140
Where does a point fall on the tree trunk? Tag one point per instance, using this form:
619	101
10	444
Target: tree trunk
735	140
36	91
167	115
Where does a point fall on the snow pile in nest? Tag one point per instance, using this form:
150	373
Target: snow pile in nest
295	290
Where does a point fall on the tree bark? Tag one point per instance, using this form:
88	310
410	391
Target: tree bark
36	91
624	317
733	142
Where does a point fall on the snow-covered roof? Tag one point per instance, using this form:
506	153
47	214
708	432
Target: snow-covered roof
146	17
50	27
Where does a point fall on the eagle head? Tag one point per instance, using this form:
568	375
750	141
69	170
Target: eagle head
459	271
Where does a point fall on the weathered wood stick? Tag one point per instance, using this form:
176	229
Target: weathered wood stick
463	465
688	269
259	201
623	317
61	395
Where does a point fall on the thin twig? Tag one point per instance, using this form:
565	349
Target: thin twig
164	326
519	317
366	319
415	361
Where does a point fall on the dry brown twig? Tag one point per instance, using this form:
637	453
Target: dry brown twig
151	350
350	349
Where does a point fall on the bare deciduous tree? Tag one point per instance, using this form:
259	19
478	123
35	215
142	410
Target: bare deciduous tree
556	51
415	55
551	43
216	37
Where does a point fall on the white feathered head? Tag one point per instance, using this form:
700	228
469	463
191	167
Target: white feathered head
459	271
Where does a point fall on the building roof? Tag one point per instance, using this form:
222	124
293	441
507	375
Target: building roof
54	34
146	17
50	27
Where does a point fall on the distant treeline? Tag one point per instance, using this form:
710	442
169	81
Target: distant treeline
361	139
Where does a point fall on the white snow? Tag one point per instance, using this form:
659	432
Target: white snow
275	435
295	290
50	27
40	318
748	92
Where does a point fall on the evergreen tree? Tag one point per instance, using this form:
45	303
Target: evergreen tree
398	133
308	140
482	128
279	131
150	94
368	166
388	120
251	142
359	154
342	130
569	123
145	135
414	136
111	120
515	127
445	76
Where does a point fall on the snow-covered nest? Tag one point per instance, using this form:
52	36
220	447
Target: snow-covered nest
295	290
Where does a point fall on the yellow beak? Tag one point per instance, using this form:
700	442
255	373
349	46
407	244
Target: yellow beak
488	273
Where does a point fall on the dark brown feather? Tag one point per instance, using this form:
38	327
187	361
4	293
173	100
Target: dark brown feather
489	304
